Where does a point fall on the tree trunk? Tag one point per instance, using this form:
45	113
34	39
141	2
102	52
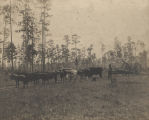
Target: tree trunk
43	41
48	63
11	39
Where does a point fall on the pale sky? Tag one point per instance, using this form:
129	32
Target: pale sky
101	20
97	21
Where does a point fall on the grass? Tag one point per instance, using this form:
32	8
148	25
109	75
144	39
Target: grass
84	99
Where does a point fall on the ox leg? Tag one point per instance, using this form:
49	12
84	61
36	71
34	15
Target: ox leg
48	81
23	84
27	84
100	75
42	81
35	82
62	80
71	77
16	83
75	78
55	79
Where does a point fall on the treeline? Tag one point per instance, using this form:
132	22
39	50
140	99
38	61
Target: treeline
28	21
37	51
129	53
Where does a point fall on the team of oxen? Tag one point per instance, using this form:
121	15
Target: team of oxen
64	74
58	76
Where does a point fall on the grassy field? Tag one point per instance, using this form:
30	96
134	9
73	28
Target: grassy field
127	99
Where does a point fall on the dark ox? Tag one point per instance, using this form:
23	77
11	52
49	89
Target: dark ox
45	77
18	78
25	78
89	72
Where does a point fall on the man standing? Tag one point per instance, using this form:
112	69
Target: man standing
110	73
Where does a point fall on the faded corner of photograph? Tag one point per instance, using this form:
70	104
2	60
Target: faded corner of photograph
74	59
